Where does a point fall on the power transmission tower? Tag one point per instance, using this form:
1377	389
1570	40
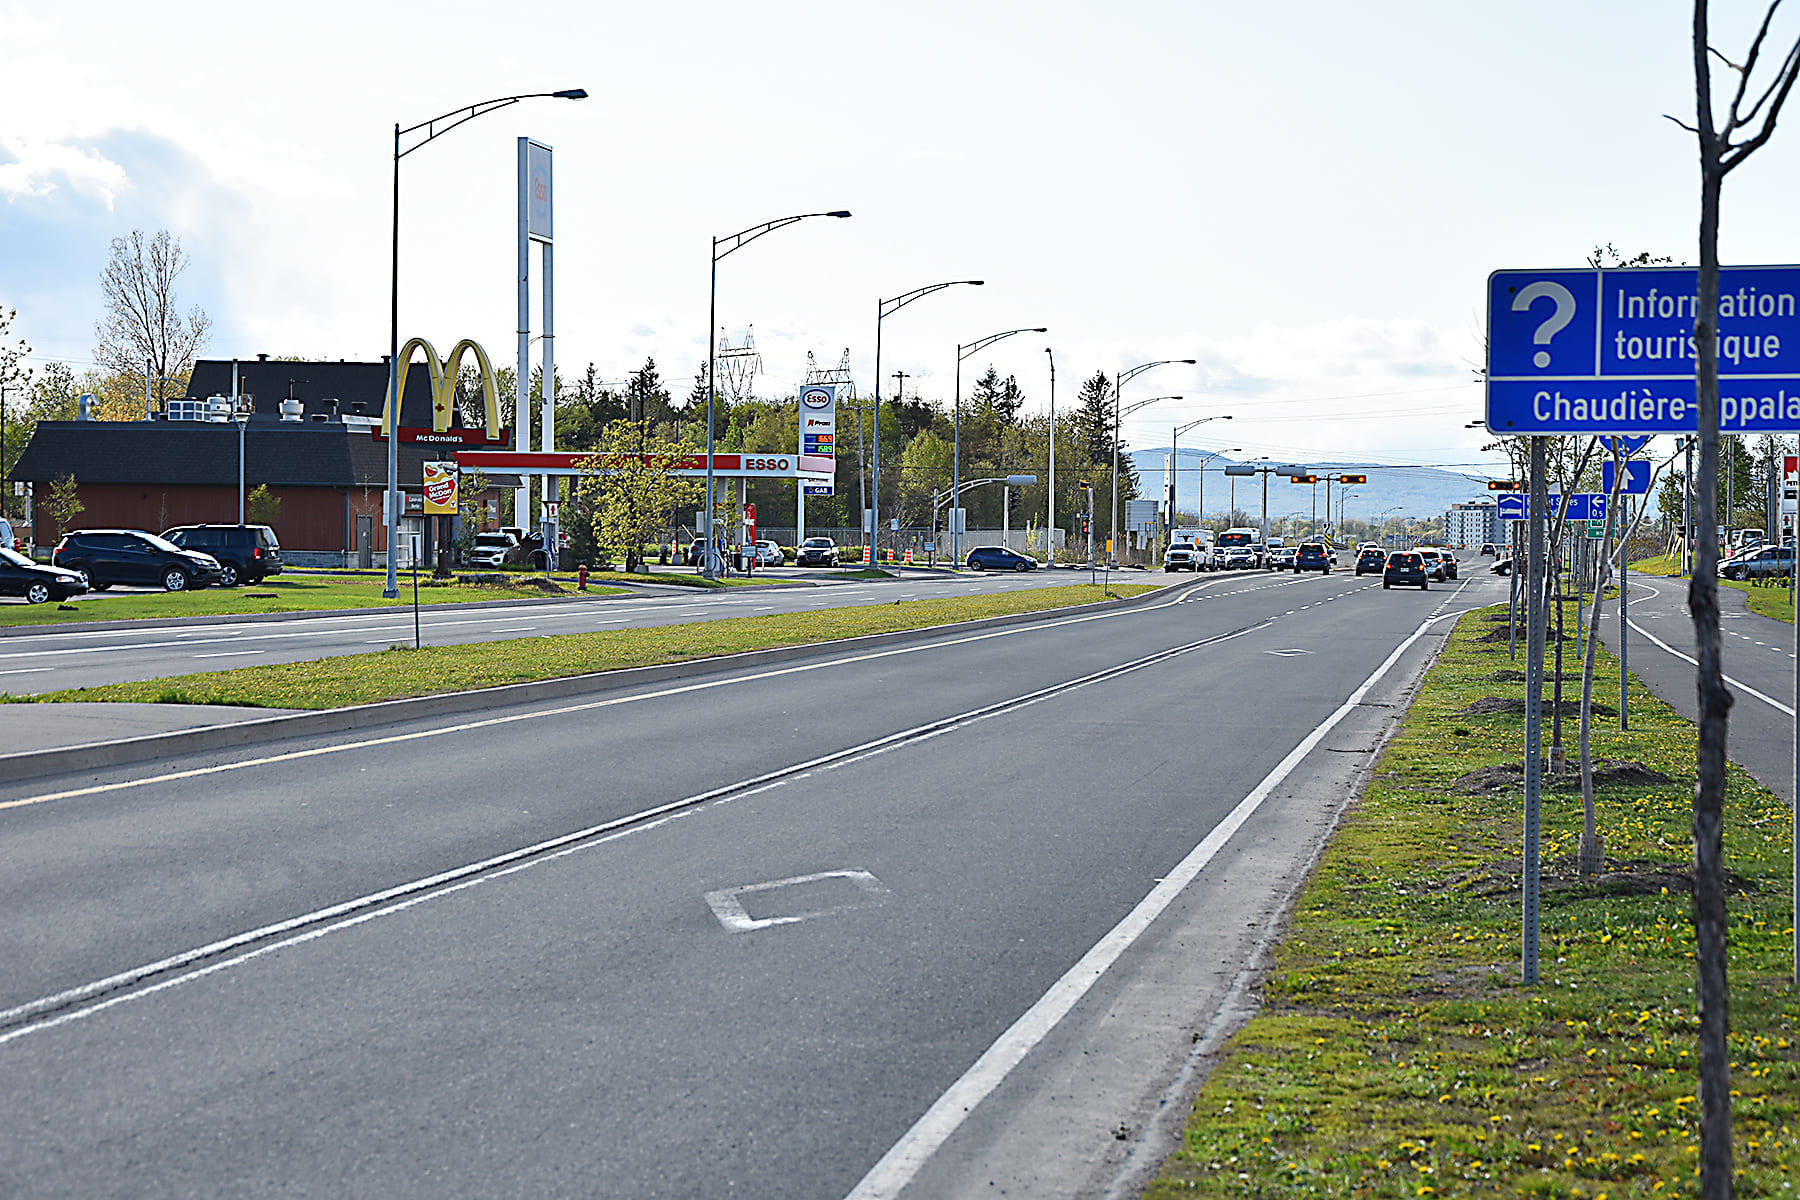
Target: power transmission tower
739	364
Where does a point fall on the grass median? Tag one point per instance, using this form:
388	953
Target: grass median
1397	1053
285	593
402	671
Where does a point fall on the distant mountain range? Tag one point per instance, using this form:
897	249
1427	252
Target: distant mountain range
1421	492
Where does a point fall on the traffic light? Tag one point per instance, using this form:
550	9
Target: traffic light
1012	500
1353	479
1503	485
1304	478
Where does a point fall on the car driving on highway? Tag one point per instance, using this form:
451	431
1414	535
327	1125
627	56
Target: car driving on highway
1406	568
1370	560
1312	556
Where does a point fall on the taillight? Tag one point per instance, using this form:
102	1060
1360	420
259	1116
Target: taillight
256	553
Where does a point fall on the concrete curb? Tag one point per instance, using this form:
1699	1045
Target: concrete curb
34	764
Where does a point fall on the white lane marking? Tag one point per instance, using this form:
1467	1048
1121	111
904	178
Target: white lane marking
902	1162
25	670
525	857
230	653
727	903
1291	652
587	706
1773	703
450	882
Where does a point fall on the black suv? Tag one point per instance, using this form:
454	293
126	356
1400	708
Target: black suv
1312	556
1371	559
103	557
247	553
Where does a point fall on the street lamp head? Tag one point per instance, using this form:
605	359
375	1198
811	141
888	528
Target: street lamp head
570	94
842	212
1043	329
975	282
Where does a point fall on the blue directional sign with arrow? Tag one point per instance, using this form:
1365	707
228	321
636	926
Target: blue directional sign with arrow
1637	477
1612	351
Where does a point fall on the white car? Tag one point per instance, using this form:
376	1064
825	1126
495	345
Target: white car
768	554
491	549
1238	557
1183	556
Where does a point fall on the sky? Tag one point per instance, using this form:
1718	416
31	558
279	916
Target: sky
1305	197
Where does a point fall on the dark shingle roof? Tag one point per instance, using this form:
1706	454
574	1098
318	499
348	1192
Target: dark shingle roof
308	453
360	388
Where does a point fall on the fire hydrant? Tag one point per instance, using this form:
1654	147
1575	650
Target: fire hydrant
581	577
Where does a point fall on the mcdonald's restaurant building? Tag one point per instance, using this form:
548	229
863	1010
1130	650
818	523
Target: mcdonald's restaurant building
312	436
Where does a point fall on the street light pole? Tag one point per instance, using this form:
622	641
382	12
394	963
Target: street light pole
1120	379
1050	494
1175	466
962	353
449	120
732	244
883	310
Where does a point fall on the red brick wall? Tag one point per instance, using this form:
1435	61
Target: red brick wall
312	518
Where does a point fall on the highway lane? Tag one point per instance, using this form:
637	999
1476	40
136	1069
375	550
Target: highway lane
35	662
588	1019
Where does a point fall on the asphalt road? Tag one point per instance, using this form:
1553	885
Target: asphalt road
1758	660
947	919
37	660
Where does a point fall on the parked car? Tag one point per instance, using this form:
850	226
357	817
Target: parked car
1502	566
1406	567
103	557
1765	562
491	549
247	554
19	576
769	554
9	537
1370	560
999	558
1312	556
816	552
1182	556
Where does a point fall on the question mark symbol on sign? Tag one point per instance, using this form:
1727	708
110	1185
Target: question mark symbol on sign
1553	324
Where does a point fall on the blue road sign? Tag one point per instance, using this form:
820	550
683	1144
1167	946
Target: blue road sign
1591	352
1514	507
1637	477
1586	506
1627	446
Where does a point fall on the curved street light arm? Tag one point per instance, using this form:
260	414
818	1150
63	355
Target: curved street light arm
1125	377
1203	420
745	236
887	308
963	352
470	112
1137	404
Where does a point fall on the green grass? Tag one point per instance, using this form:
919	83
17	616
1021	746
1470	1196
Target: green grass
1397	1054
1662	564
285	593
401	671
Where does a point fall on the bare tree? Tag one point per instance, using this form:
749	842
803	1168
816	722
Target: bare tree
142	326
1722	147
